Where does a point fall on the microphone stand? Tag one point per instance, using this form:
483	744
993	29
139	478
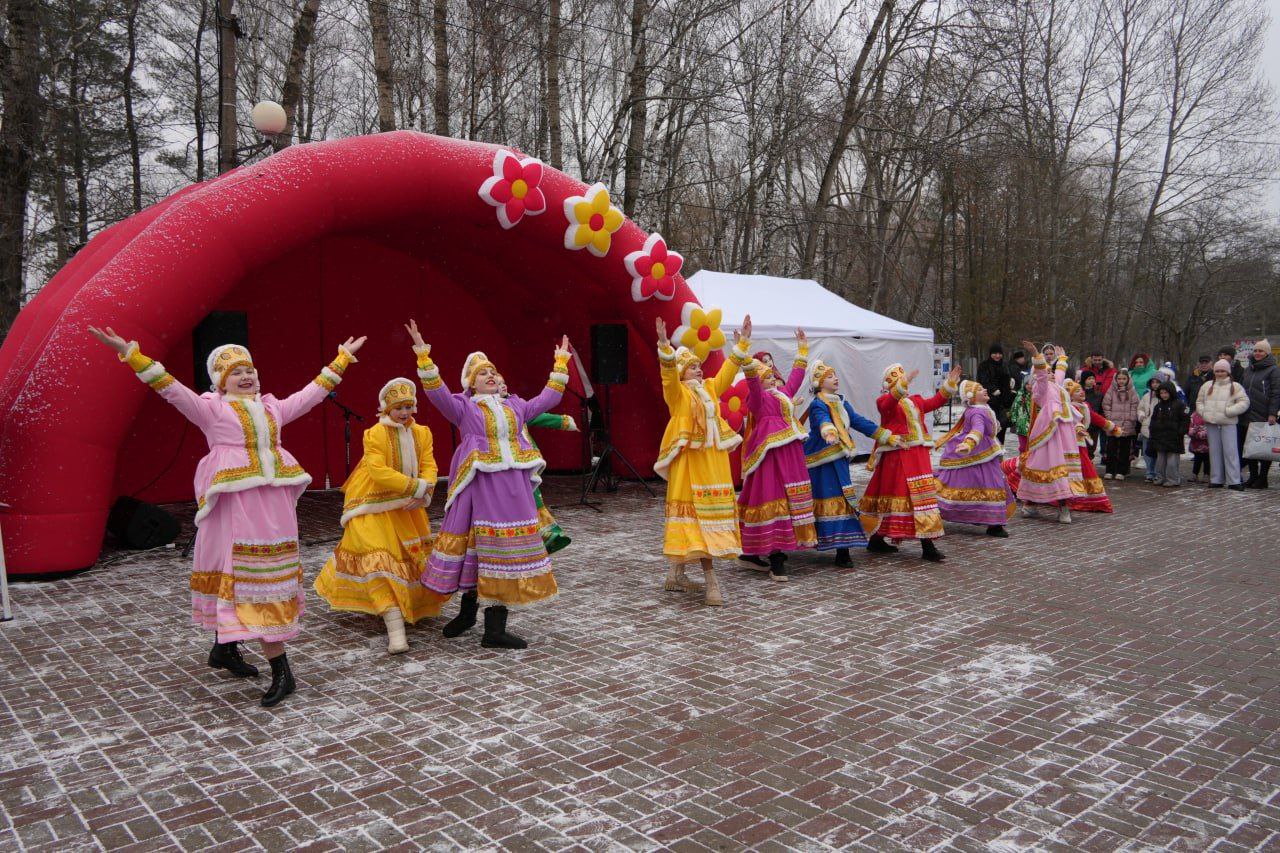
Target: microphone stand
347	415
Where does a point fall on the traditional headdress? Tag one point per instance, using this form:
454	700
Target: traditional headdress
820	372
395	392
968	390
685	358
893	373
472	366
223	360
767	365
1071	385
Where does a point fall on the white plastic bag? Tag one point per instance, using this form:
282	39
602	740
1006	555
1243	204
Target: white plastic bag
1262	442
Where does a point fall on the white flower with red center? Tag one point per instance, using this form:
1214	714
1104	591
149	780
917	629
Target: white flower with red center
654	270
514	188
592	221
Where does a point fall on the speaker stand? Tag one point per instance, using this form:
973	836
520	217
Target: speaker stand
602	471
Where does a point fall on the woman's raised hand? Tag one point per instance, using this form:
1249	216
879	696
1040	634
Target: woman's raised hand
955	374
563	350
352	345
663	340
412	328
109	337
746	327
1030	348
801	340
911	377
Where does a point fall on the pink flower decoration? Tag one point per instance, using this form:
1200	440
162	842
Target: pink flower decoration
733	405
654	270
514	188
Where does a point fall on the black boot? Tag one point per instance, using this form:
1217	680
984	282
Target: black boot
495	631
227	656
998	531
877	545
281	680
778	566
842	559
754	560
930	552
466	617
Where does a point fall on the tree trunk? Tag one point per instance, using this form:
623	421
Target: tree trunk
849	117
19	139
304	29
439	19
130	123
553	84
228	32
639	108
198	74
380	30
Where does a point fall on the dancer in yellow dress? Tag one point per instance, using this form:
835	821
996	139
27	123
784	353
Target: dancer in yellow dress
386	537
701	515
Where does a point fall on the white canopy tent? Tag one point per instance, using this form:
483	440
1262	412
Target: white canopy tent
858	343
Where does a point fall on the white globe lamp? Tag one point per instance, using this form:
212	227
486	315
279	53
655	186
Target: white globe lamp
269	118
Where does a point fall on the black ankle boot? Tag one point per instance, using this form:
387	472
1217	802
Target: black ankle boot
877	545
754	560
227	656
466	617
281	680
495	631
998	531
778	566
842	558
930	552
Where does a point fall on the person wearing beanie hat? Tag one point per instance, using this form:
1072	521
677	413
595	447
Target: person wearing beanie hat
1089	494
553	535
701	516
489	547
901	501
1200	374
1044	471
1261	382
828	451
386	536
994	375
972	488
775	507
1221	404
246	578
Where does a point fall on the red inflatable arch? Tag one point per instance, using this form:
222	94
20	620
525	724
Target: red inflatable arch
486	248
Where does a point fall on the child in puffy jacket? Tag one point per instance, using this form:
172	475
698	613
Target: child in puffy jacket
1168	427
1199	447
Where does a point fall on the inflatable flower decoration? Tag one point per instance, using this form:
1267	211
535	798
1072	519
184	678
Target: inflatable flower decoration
699	331
653	270
733	405
592	221
515	188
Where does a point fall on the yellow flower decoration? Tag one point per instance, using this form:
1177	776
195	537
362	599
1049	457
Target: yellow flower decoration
592	221
700	331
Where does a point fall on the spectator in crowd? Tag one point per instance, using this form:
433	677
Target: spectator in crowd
1019	369
1146	407
1237	369
1099	368
1166	374
993	375
1198	444
1120	406
1140	371
1168	427
1200	374
1261	383
1221	404
1093	395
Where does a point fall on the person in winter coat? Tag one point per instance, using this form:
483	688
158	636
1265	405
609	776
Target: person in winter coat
1140	371
1220	404
1261	382
1169	423
1102	370
1093	395
993	375
1146	406
1200	374
1198	444
1120	406
1166	374
1237	369
1019	369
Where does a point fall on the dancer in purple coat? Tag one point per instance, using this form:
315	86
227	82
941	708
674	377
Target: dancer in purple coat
972	489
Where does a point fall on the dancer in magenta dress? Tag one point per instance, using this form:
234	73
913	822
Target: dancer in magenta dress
972	489
1051	461
490	547
775	508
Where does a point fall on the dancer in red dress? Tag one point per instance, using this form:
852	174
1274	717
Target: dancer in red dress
901	501
1088	494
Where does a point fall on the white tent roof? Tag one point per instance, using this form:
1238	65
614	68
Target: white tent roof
778	306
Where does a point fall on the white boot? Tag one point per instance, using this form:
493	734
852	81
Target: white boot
1030	511
1064	514
396	642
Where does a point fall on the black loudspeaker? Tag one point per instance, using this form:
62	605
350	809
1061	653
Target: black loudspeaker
609	353
220	327
141	525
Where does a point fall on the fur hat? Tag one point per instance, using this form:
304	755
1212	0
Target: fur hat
223	360
685	358
395	392
893	373
1072	386
472	366
820	371
968	390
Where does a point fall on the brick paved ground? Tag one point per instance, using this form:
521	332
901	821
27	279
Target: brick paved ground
1111	684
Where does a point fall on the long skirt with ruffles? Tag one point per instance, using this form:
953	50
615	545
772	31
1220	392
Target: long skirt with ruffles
377	566
835	507
975	494
490	542
901	501
775	508
1088	493
246	579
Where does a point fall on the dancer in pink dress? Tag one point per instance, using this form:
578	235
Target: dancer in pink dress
775	508
246	580
1051	461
